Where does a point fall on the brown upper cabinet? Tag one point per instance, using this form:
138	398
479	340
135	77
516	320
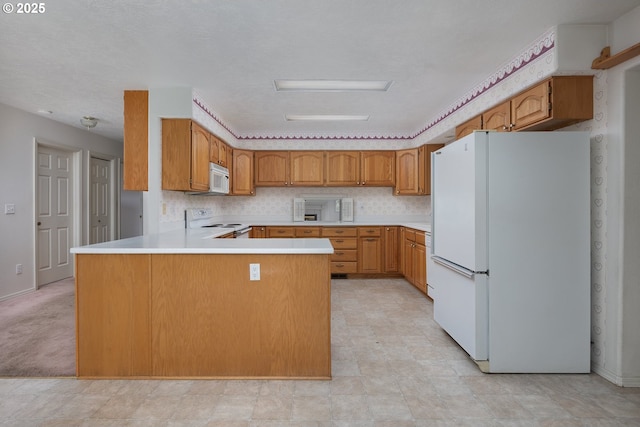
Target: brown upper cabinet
552	104
219	151
306	168
469	126
413	170
185	155
271	168
242	183
498	118
360	168
136	140
285	168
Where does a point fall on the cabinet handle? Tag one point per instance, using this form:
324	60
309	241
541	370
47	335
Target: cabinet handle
363	182
371	240
339	265
280	231
307	231
371	231
339	231
339	253
357	182
339	241
388	229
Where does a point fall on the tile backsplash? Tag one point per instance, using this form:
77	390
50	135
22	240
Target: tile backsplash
276	204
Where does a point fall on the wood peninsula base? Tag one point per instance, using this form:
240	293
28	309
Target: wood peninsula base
199	316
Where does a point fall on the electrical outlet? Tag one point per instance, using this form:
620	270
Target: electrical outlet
9	209
18	268
254	271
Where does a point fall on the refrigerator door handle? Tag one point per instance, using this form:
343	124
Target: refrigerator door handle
454	267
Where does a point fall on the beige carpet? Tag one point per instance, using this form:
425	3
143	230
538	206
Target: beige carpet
37	332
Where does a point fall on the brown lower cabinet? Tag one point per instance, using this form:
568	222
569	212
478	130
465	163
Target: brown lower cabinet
388	250
414	255
194	315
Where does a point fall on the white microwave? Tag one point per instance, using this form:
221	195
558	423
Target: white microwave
218	179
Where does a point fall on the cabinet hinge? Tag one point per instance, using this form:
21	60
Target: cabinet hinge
549	107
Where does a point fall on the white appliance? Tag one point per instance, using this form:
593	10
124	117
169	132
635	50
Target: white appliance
218	181
204	218
511	247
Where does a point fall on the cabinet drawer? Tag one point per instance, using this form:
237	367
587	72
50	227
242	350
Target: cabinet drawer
345	255
307	231
370	231
344	267
410	234
281	232
339	232
420	237
348	243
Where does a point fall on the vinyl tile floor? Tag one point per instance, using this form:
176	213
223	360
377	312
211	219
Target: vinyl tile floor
392	366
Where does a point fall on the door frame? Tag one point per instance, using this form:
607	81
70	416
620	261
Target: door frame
114	194
76	209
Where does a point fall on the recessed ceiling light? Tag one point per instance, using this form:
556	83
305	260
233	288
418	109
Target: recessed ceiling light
325	117
332	85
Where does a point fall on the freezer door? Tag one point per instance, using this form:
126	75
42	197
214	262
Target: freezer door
460	306
459	202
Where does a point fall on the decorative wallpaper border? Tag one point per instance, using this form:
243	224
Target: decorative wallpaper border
541	46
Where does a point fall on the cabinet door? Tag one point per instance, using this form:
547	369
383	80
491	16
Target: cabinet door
136	140
408	260
224	153
377	168
214	149
271	168
242	173
531	106
342	168
391	250
407	172
307	168
420	267
370	255
424	170
469	126
498	118
199	158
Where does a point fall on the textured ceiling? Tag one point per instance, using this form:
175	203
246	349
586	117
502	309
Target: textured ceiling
78	57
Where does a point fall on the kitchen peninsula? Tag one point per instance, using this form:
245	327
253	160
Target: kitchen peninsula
183	304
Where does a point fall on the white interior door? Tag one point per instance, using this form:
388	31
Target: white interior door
100	201
55	214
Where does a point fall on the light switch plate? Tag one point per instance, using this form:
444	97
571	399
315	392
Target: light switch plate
9	209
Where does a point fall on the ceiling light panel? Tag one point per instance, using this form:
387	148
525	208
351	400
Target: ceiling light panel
325	117
332	85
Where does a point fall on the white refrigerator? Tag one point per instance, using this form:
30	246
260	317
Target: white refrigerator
511	249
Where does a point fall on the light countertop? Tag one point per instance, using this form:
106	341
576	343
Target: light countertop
203	241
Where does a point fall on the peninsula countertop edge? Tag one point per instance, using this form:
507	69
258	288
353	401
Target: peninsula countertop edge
203	241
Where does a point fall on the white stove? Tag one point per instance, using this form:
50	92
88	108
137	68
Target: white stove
204	218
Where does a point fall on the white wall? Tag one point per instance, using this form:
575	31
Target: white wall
18	129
